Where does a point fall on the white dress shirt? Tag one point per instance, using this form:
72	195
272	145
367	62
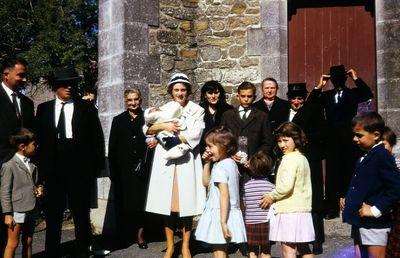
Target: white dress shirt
24	160
338	95
9	92
292	114
241	112
68	111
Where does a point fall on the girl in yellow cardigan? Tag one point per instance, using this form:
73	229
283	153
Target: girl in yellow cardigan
290	220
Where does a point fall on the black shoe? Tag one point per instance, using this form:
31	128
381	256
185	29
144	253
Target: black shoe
317	248
143	245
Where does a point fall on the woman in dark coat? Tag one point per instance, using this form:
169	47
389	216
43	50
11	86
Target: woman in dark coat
213	100
129	157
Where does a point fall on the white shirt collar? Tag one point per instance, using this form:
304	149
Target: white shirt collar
59	101
6	89
24	159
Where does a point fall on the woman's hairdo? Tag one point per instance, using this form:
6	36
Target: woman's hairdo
260	164
132	91
290	129
271	80
22	136
223	138
212	86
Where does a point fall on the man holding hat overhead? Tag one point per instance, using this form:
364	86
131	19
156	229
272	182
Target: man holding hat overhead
310	118
340	105
70	155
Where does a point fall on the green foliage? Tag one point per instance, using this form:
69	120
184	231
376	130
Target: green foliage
51	33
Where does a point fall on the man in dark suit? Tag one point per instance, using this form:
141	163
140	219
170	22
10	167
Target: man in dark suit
271	104
16	110
248	123
311	120
71	148
340	105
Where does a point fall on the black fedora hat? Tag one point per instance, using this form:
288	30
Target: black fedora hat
337	71
64	75
297	90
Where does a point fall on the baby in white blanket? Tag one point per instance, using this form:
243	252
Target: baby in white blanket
171	111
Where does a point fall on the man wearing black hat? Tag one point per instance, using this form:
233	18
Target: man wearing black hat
16	110
71	148
310	118
340	105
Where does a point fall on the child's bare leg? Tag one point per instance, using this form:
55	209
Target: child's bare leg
289	250
376	251
27	237
220	251
357	253
252	254
12	240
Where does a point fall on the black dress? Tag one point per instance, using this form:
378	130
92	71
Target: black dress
212	120
126	146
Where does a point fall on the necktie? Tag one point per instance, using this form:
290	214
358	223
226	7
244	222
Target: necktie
61	123
244	117
15	104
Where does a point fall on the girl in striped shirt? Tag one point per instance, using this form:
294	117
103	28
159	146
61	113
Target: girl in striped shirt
256	218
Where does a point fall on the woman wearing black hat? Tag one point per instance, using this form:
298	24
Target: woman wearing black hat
175	188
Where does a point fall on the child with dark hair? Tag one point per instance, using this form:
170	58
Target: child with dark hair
389	140
290	218
221	221
18	193
256	218
374	188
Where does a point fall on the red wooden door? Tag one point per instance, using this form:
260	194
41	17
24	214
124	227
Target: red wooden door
325	33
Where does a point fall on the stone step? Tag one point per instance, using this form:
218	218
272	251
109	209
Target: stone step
336	227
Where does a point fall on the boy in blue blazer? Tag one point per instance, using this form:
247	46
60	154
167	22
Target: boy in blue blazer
374	188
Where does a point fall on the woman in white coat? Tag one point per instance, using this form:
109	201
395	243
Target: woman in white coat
175	188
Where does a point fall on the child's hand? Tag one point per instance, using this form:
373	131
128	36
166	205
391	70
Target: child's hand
225	231
39	192
236	158
365	210
342	203
9	221
206	156
266	201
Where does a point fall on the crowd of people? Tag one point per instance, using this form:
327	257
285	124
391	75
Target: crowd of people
252	175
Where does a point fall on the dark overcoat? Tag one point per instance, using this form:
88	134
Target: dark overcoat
9	121
256	128
127	146
278	113
88	142
212	121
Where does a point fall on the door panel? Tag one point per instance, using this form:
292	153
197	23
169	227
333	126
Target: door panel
327	33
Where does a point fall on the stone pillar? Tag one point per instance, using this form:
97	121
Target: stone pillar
388	65
124	62
270	41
